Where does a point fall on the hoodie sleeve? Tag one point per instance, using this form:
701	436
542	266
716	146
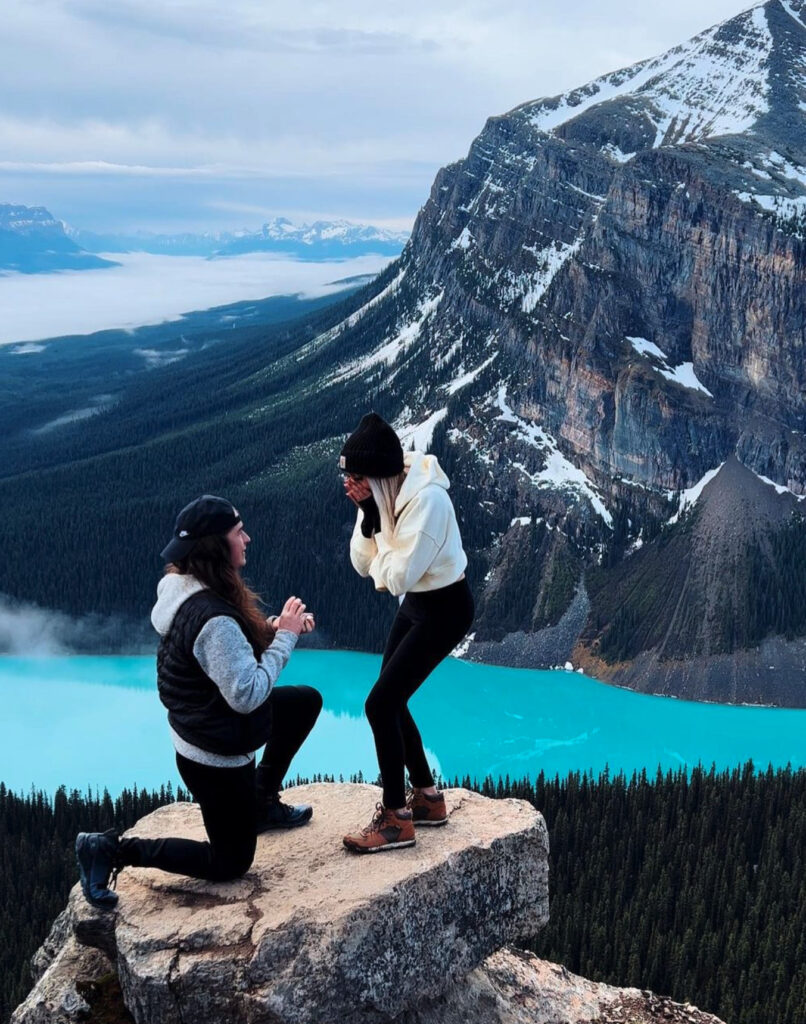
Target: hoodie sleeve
362	549
419	535
224	653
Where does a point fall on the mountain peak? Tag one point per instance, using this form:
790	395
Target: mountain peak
728	80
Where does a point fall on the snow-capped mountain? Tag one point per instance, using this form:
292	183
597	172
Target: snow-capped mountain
598	325
600	308
321	240
33	241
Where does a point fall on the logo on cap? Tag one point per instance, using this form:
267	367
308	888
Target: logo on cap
342	462
183	533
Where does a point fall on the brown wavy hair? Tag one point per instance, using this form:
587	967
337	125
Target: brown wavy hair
209	562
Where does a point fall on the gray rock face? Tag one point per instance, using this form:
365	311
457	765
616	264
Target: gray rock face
513	987
63	964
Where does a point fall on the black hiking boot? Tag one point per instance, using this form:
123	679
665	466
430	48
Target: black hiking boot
98	859
272	812
275	814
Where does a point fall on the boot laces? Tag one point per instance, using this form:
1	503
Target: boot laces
377	821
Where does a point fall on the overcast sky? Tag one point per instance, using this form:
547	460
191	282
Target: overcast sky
196	114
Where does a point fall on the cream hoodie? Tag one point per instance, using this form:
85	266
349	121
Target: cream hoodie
425	551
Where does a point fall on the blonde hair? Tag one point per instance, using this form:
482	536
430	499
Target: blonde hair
385	491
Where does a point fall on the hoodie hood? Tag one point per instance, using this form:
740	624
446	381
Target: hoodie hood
423	470
172	592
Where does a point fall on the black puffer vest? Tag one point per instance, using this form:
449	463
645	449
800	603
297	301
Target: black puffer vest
196	709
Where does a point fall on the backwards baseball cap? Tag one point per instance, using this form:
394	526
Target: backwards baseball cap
204	517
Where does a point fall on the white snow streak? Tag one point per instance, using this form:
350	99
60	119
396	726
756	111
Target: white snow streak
455	385
463	241
393	348
559	472
779	488
419	435
683	374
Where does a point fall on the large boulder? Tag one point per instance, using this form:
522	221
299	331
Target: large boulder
312	931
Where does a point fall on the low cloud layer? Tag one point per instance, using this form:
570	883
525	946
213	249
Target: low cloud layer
26	630
135	293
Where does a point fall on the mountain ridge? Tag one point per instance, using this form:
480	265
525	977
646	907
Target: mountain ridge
581	340
32	241
319	240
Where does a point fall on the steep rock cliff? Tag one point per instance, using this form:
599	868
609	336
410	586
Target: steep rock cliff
600	306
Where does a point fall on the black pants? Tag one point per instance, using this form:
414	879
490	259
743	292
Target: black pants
227	798
426	629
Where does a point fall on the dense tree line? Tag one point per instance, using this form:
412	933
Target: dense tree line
37	866
691	884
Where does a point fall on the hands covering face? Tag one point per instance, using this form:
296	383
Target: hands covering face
357	489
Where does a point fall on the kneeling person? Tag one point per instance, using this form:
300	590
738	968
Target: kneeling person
217	664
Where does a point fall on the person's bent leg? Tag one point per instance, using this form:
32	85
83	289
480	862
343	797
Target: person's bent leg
227	800
444	618
294	713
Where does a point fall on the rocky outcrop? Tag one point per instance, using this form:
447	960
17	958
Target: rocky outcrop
513	987
312	933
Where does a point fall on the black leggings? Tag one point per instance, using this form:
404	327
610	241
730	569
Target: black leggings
227	798
426	628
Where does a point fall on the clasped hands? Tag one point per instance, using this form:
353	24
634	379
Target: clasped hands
293	617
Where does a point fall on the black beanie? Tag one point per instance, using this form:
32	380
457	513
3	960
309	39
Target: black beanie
373	449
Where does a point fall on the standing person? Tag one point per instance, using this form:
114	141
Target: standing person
407	539
217	663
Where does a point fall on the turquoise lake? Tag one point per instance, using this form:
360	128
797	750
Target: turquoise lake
97	721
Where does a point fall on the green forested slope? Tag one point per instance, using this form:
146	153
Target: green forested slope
88	508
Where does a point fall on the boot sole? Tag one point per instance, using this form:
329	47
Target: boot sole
379	849
282	828
432	824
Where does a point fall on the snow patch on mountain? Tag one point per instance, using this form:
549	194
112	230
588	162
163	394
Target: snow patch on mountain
392	348
706	87
418	436
790	10
464	240
531	286
558	472
466	378
682	374
779	488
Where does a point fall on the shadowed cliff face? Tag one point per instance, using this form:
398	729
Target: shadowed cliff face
603	303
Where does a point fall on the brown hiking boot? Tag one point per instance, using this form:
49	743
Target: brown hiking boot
427	810
387	831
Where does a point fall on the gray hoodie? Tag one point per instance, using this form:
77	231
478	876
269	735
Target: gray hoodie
226	656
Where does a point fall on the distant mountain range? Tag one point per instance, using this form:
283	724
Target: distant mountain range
599	327
32	241
322	240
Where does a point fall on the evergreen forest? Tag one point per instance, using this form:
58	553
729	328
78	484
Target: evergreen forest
688	884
